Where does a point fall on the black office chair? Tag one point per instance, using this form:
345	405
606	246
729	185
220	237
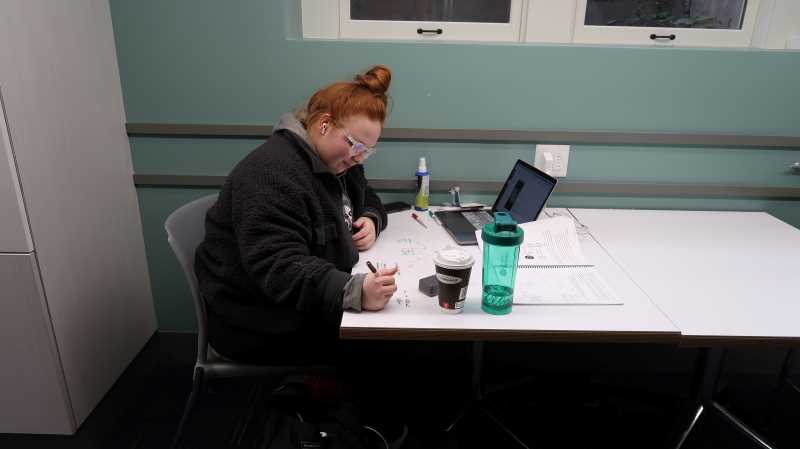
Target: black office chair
185	231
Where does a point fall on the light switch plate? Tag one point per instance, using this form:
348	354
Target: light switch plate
560	155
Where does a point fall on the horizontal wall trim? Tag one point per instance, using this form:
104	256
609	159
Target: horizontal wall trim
563	187
196	130
486	135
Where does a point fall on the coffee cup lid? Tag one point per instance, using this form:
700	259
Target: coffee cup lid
452	257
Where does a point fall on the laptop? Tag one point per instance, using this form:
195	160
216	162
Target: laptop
524	195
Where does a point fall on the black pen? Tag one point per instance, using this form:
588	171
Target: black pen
371	267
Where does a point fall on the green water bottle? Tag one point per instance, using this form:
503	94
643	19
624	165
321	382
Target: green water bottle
501	241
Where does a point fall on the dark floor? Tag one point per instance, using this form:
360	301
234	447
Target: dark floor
614	402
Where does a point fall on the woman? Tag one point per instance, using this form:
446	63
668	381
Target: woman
274	268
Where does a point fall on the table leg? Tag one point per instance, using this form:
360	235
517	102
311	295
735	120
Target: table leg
740	426
476	393
707	373
688	430
503	427
476	399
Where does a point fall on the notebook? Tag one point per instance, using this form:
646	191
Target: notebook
523	195
553	270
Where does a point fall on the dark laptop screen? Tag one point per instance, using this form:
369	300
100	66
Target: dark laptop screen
525	192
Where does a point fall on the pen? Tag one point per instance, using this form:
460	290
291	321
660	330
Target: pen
416	217
371	267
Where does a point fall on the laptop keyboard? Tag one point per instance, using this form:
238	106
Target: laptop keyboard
478	218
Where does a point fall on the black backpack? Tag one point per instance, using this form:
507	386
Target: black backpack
296	420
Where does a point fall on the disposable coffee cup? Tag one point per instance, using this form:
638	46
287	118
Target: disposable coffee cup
453	267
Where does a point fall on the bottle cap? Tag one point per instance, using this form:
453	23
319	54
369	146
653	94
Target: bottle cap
423	166
503	232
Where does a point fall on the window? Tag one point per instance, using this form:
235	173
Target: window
714	14
715	23
448	20
479	11
707	23
475	20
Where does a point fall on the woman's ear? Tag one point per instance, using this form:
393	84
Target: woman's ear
323	123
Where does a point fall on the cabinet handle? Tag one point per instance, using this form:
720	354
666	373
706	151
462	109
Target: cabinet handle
664	36
436	31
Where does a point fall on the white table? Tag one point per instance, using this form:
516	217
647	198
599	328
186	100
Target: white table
707	278
721	277
410	315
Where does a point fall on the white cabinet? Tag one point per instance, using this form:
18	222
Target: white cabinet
76	312
14	234
34	396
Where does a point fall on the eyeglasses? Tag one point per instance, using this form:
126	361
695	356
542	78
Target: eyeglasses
357	148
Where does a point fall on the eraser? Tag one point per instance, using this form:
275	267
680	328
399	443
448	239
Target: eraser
429	286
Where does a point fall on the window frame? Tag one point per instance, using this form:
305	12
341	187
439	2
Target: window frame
451	31
684	37
767	24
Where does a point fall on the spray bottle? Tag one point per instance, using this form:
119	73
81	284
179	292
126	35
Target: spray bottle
423	186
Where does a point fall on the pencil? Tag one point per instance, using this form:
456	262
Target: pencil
416	217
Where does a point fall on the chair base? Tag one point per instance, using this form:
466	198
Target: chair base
198	381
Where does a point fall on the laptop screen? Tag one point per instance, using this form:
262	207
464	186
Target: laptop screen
525	192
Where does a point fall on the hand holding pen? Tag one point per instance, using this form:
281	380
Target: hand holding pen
378	287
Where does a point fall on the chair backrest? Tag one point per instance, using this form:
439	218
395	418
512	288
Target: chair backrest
185	231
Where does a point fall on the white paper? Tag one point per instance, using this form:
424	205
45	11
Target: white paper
563	285
553	269
552	241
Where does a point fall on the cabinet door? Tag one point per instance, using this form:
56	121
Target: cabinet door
64	106
32	387
14	234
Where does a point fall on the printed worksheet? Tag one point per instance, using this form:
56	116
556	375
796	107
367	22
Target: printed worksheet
563	285
552	241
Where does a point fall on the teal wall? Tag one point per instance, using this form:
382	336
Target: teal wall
243	62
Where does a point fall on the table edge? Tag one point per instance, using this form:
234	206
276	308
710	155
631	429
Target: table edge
380	333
